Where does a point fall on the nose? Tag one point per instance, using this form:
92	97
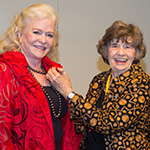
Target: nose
121	50
43	39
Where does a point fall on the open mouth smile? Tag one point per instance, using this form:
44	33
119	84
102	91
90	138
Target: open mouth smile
40	47
121	60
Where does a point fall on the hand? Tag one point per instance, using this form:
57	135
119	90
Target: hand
60	80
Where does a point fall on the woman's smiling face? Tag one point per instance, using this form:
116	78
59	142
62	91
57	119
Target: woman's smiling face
37	38
120	56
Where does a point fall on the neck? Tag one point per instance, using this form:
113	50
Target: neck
35	66
33	62
114	75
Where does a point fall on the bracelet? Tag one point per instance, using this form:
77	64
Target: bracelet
70	96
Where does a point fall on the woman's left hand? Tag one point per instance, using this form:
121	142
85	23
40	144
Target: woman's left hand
60	80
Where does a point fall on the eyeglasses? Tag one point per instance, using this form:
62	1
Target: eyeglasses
127	46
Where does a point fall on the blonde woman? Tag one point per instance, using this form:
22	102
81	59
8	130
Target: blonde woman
33	114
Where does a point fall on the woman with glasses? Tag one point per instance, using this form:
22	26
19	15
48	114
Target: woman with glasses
116	111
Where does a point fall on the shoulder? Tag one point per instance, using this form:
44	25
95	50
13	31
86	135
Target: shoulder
47	63
7	79
140	75
137	80
12	61
4	68
5	72
101	76
100	79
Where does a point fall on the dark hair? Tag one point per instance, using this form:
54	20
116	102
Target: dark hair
121	30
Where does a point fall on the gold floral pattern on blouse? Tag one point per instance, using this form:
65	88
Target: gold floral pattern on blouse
124	118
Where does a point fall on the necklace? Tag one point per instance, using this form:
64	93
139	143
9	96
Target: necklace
49	98
34	70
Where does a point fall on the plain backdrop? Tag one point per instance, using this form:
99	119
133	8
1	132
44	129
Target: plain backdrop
81	24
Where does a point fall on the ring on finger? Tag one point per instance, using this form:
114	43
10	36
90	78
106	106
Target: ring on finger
48	77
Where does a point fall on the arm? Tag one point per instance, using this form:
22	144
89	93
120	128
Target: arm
6	87
61	81
117	113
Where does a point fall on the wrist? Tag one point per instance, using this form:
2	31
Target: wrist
70	96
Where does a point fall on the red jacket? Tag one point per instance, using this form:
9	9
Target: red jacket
25	119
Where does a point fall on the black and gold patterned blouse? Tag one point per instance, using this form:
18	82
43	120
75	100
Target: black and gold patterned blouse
124	118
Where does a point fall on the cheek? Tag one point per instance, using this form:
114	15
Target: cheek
29	38
51	42
131	55
25	42
111	54
110	59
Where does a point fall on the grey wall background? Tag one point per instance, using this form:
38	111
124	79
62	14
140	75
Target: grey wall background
81	24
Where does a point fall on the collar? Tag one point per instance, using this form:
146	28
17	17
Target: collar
18	64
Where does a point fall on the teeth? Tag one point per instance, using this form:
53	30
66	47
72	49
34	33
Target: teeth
119	59
40	47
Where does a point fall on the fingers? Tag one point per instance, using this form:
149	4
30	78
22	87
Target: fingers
48	77
60	80
58	75
53	74
63	73
53	71
60	70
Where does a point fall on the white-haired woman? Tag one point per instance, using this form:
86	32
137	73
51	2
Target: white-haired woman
116	110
